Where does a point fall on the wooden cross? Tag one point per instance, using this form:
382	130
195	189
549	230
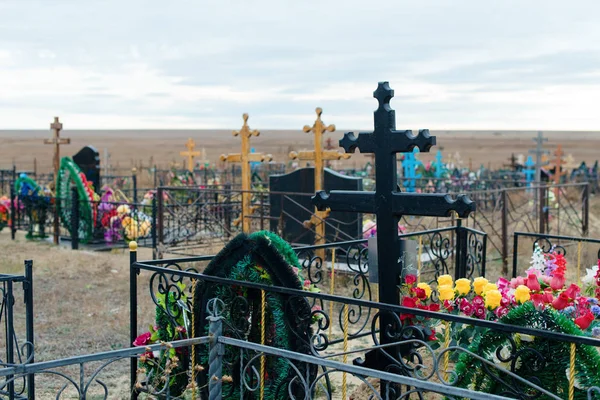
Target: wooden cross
513	162
387	202
318	155
245	158
56	141
190	154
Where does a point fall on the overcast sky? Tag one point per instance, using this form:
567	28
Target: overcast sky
201	64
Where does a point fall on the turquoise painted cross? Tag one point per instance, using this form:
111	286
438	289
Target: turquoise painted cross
409	166
438	165
529	171
254	164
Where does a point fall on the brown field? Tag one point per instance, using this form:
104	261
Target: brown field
129	148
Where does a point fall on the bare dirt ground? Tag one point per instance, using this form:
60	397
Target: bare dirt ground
129	148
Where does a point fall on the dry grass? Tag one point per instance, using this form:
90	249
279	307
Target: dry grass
81	301
129	148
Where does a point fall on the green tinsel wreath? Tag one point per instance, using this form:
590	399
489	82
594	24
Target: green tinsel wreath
552	375
265	258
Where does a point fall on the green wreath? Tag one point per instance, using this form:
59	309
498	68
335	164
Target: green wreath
548	371
70	174
265	258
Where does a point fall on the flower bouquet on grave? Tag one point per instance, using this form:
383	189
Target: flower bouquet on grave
4	212
417	295
167	367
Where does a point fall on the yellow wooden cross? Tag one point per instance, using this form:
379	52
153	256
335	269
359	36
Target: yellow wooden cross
56	141
190	154
318	155
245	158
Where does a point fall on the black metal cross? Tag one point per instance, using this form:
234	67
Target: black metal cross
387	202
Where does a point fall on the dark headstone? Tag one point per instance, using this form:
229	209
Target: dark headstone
88	160
288	212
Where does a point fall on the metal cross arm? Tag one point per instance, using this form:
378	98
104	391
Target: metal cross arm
325	154
435	205
57	141
397	142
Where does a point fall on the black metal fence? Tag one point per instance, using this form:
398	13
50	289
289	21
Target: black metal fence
581	252
334	335
18	323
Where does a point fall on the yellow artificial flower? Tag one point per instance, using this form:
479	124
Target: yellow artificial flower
425	287
478	284
446	292
463	286
522	294
444	280
126	222
489	286
493	299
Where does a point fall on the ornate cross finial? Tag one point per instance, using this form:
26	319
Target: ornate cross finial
385	123
245	131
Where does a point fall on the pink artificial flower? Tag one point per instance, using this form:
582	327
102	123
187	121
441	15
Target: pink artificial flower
466	307
516	282
572	291
478	302
142	340
557	281
502	284
546	279
532	283
480	312
547	296
538	300
501	312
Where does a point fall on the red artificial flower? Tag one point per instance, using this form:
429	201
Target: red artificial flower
448	305
572	291
585	320
560	262
142	340
421	294
533	283
558	281
434	307
409	302
410	279
432	337
561	301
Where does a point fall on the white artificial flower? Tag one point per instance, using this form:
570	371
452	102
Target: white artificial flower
590	275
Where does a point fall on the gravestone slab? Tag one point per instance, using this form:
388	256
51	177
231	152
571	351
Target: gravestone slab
288	212
88	160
